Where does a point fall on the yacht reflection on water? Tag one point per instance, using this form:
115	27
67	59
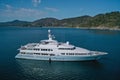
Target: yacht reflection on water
55	70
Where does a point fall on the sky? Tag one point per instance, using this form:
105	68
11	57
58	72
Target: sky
30	10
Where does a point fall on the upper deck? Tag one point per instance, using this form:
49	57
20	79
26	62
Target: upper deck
53	44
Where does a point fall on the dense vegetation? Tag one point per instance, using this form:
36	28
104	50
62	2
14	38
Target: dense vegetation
111	19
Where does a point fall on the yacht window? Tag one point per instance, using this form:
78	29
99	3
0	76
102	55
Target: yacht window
80	53
72	53
46	49
44	53
29	53
46	42
36	49
22	52
37	53
52	54
66	48
74	47
63	53
69	53
43	49
23	48
29	49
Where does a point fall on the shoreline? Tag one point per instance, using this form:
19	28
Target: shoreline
100	28
97	28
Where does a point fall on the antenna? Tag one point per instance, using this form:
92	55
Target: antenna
49	35
49	30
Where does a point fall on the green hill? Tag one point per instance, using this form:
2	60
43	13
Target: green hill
106	20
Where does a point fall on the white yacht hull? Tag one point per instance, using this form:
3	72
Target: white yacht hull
53	50
59	58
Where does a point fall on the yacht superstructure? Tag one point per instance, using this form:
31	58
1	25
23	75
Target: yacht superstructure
53	50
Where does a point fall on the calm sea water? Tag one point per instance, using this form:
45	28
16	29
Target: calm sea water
107	68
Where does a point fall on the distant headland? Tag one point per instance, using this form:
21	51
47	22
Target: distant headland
109	21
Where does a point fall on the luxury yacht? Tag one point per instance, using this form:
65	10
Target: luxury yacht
52	50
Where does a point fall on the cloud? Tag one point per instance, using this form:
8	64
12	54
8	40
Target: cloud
21	13
36	2
8	6
29	12
51	9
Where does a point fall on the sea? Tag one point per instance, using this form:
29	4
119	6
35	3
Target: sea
106	68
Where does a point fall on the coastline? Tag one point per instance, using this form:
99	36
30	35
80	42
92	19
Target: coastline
100	28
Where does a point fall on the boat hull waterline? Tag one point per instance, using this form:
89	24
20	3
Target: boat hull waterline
59	58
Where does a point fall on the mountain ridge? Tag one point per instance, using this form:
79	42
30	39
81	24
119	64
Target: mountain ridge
107	20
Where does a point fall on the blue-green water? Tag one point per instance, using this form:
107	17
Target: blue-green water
107	68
